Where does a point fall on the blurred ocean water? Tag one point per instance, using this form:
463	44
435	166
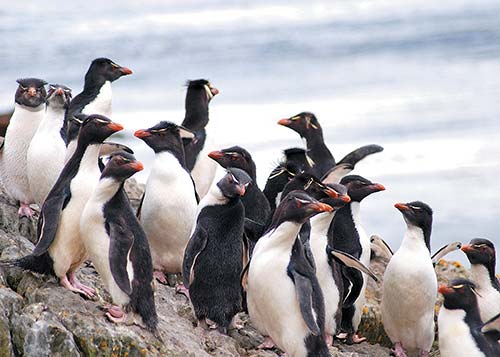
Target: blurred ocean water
421	78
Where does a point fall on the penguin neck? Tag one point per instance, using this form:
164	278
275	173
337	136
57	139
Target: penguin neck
53	120
70	149
196	117
285	234
100	99
214	197
414	239
320	223
167	161
24	108
484	276
87	155
355	208
178	154
106	189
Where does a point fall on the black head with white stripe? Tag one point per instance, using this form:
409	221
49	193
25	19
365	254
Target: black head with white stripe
359	187
459	294
418	214
59	96
480	251
102	70
234	183
235	156
311	185
95	128
305	124
121	165
30	92
297	207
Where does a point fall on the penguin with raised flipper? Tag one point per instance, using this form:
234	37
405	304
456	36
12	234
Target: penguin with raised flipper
29	112
169	204
213	258
285	301
117	244
199	94
482	257
96	98
60	250
408	311
47	149
459	323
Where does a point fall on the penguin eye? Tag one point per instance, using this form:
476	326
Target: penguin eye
125	160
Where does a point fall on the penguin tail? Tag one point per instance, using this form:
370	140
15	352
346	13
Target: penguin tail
42	264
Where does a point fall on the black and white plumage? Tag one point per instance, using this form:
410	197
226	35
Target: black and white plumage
459	323
117	244
257	209
410	284
47	149
169	204
96	97
347	234
60	250
482	257
29	112
199	94
285	301
213	258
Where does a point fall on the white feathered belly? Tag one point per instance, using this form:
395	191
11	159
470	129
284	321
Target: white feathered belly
204	169
272	302
455	338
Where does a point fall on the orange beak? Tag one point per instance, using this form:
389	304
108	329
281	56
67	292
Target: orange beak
402	207
216	155
59	91
241	190
115	126
284	122
126	71
321	207
379	187
142	133
345	198
331	193
32	91
443	289
214	91
467	248
137	166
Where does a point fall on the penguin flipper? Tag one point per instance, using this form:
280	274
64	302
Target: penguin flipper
448	248
492	324
253	229
139	209
121	240
355	278
195	246
304	290
376	240
49	219
352	262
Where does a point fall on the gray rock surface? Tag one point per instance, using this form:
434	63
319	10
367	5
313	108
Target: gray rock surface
40	318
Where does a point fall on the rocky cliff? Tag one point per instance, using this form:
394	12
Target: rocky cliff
40	318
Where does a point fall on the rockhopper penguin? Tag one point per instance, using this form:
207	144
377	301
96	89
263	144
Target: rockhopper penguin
29	111
94	99
47	149
459	323
285	301
199	94
117	244
168	206
60	250
410	285
213	260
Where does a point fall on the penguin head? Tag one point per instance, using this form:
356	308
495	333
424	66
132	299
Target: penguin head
234	183
480	251
31	92
121	165
298	207
338	201
305	124
58	96
102	70
165	136
198	86
417	214
95	128
358	187
235	156
311	185
459	294
297	157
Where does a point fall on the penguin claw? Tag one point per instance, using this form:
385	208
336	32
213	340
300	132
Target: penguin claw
25	211
267	344
181	289
160	276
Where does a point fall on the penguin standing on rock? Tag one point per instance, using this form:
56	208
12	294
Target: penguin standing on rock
168	207
410	285
117	244
346	233
29	112
47	149
459	323
94	99
199	94
285	301
213	259
481	255
60	250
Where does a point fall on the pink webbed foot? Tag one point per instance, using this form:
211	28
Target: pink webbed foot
267	344
181	289
88	291
116	314
398	350
66	283
160	276
25	210
329	340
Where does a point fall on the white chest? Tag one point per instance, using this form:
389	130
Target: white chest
489	298
102	102
455	338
